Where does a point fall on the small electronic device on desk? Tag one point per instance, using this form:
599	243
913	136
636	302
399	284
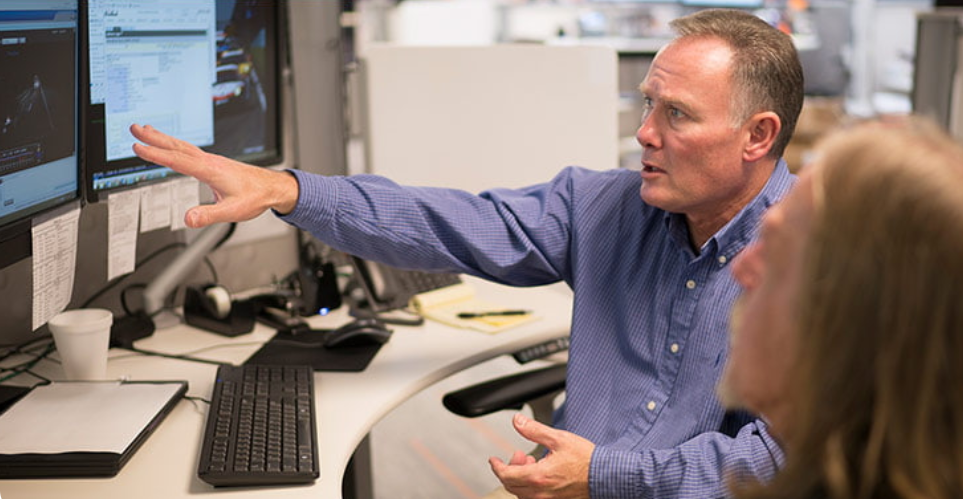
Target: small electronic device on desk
280	312
443	297
388	289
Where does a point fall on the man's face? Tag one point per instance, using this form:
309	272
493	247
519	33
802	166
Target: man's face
692	154
764	337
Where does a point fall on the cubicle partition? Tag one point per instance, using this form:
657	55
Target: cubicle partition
475	117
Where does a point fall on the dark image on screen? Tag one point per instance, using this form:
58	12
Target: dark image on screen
37	114
206	72
245	94
38	117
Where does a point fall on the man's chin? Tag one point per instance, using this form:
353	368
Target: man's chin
652	195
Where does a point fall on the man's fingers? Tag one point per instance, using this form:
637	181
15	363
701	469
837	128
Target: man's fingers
154	154
506	473
176	160
536	432
228	210
519	457
165	150
197	217
153	137
498	466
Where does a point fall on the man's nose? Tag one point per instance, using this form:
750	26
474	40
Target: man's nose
647	134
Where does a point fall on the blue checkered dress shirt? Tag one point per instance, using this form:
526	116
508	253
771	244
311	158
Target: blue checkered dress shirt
649	327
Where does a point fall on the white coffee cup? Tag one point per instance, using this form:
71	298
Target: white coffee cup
82	337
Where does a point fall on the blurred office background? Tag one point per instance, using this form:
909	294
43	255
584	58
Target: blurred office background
857	54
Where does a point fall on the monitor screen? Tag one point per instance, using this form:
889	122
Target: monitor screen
205	71
38	115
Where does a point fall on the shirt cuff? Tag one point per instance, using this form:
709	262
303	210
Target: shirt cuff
317	201
615	474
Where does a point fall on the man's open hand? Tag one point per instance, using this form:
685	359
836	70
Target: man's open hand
563	472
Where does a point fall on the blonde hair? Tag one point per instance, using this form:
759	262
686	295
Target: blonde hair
878	390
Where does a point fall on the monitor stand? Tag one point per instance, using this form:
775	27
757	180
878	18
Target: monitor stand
142	324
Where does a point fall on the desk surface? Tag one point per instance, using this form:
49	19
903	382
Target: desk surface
348	404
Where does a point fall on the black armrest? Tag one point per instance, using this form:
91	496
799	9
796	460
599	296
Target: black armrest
508	392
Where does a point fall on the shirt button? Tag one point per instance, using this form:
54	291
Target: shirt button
650	406
674	348
690	284
723	259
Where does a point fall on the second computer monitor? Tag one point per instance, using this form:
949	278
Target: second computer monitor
206	71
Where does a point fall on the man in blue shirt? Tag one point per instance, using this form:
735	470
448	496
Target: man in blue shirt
649	272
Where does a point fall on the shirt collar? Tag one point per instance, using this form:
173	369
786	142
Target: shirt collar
736	235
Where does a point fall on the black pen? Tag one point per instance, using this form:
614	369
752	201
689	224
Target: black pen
476	315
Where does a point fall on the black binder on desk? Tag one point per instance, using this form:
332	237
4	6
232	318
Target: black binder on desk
82	428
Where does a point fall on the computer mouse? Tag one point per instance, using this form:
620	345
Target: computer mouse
359	332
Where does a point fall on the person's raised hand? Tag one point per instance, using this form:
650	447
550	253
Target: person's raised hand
241	191
561	474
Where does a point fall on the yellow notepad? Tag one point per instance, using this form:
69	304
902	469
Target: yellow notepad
444	305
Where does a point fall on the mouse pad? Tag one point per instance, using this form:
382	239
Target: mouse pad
307	348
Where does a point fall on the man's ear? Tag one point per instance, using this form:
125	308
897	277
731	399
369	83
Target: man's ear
763	129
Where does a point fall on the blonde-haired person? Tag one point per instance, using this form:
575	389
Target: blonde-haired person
849	335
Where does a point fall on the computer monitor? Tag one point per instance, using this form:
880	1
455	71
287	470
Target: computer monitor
38	116
206	71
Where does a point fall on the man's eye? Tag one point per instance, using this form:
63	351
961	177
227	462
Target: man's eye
675	113
647	102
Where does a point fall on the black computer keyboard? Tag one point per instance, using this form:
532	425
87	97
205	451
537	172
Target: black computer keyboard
261	427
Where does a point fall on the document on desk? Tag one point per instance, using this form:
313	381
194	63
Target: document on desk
446	304
81	428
